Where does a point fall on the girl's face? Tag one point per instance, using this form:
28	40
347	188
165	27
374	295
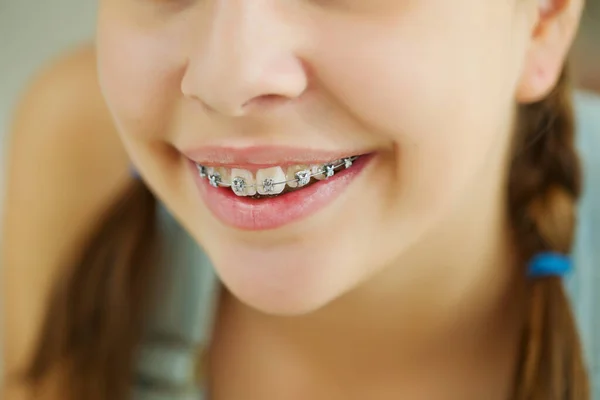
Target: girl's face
424	91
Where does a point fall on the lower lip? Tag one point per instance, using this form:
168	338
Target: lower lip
272	213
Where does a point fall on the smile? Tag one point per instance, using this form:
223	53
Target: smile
272	181
270	197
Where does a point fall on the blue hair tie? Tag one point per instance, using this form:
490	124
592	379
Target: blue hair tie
549	264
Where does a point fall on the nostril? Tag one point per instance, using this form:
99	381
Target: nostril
266	101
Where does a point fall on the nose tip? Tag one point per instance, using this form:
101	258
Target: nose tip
246	58
255	85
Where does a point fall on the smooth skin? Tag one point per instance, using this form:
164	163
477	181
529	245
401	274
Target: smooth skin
171	79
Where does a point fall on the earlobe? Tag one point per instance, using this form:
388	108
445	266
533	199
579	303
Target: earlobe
540	73
551	40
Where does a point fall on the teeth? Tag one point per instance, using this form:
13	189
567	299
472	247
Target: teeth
225	175
297	176
303	177
329	170
245	182
214	178
316	171
270	181
267	179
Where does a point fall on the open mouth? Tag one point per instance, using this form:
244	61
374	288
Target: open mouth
269	197
274	181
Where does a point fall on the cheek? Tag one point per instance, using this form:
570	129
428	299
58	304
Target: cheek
139	75
441	93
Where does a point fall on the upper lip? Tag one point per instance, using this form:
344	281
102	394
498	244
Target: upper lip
264	156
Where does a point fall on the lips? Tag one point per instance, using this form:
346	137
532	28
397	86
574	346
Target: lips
247	213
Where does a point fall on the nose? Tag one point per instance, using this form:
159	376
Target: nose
245	61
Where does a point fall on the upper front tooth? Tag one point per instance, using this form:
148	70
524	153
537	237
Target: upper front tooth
267	179
291	175
249	188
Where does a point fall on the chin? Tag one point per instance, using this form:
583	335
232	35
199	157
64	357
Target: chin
298	284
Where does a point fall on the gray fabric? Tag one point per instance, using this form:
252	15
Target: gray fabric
180	328
183	323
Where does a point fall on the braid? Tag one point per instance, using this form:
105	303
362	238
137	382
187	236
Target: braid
544	186
95	317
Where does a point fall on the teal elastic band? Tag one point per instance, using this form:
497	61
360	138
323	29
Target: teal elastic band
549	264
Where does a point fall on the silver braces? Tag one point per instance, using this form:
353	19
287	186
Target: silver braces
302	178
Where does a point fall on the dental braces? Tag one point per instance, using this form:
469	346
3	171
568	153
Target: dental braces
302	178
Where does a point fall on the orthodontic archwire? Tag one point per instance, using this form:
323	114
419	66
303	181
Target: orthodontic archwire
238	184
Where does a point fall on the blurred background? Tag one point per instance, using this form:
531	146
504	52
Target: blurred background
32	32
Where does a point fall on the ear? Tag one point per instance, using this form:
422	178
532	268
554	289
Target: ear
552	34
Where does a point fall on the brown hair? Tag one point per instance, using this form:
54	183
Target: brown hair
95	317
545	183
